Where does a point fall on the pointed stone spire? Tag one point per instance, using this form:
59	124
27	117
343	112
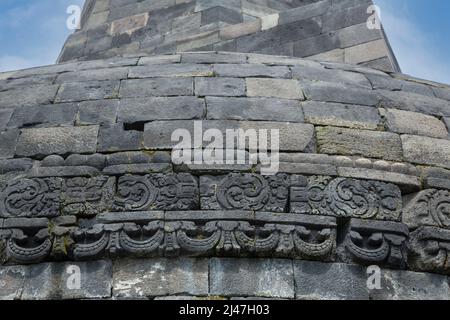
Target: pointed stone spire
327	30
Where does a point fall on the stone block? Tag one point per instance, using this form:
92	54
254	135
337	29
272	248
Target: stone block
371	144
160	108
352	79
8	140
240	30
267	109
115	138
171	70
209	58
424	150
136	88
28	96
341	115
89	90
332	92
252	277
276	88
330	281
94	75
58	140
48	281
103	112
293	136
251	70
129	24
413	123
219	87
49	115
11	282
5	115
407	285
160	277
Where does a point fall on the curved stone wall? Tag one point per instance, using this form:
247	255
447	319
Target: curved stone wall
320	29
86	171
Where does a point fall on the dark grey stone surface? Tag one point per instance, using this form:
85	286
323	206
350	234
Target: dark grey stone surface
160	277
58	140
252	277
330	281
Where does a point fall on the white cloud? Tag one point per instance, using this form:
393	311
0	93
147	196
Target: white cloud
415	50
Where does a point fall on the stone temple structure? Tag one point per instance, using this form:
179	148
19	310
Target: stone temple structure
92	205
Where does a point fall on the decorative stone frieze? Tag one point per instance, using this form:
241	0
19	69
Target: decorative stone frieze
342	197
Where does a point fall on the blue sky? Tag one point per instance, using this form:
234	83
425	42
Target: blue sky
32	33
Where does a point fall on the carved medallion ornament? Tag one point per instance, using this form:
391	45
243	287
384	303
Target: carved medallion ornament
245	192
31	198
342	197
157	192
428	208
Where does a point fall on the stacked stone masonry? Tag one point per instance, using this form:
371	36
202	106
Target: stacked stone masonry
86	178
319	29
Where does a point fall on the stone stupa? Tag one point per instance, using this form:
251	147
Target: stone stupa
92	205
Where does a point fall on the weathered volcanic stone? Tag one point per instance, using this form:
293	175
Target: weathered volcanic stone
171	70
136	88
58	140
160	277
414	123
101	112
56	281
115	138
407	285
5	115
160	108
251	70
11	282
276	88
8	141
28	96
49	115
253	109
341	115
252	277
372	144
332	92
293	136
219	87
89	90
423	150
330	281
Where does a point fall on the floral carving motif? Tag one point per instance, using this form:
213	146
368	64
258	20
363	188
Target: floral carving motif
87	196
429	208
156	192
245	192
342	197
31	198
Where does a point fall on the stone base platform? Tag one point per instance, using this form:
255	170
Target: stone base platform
217	279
